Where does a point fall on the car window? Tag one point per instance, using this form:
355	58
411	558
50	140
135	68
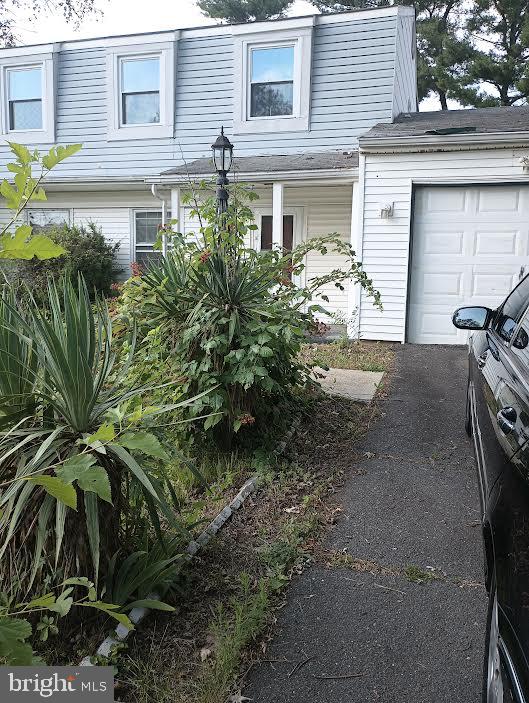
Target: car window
512	310
520	342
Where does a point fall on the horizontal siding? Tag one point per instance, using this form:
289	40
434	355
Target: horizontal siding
386	242
353	75
323	209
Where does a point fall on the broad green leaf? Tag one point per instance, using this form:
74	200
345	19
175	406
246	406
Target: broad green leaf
24	246
22	153
110	610
78	581
63	492
13	648
63	604
105	433
143	442
74	467
58	153
92	527
95	479
42	602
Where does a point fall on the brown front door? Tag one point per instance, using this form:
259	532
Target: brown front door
288	232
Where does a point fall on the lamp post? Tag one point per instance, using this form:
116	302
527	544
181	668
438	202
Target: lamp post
222	157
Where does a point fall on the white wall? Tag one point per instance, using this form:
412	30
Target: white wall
322	209
386	242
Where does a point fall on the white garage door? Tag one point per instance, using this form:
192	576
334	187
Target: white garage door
469	245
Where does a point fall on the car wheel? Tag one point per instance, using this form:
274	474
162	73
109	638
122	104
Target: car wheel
468	414
496	688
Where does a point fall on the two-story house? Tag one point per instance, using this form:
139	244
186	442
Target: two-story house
293	96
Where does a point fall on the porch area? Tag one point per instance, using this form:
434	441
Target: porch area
299	197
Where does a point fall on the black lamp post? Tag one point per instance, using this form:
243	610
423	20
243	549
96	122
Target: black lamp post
222	157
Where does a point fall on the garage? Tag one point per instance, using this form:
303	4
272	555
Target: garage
444	219
469	246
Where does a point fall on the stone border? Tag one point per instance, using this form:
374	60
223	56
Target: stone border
136	615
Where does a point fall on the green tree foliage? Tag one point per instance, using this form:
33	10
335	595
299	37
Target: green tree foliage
239	11
87	252
474	52
501	30
73	11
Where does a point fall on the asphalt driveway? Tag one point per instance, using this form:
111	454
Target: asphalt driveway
410	508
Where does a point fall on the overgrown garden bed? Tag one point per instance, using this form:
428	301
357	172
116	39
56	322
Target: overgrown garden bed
125	424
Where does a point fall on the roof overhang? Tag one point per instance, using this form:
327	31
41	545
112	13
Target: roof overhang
292	177
432	142
100	183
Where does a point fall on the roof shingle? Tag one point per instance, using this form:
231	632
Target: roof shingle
322	161
486	120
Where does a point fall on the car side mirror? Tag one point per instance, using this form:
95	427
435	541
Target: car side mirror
472	318
521	340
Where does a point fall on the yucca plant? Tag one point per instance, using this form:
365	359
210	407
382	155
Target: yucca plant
65	467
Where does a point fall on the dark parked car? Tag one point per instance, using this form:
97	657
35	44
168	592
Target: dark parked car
498	420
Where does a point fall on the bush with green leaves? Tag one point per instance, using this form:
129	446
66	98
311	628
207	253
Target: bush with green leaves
16	628
87	252
235	317
70	441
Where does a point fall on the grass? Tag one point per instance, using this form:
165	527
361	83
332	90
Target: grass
417	575
346	354
232	630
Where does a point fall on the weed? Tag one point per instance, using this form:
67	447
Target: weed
346	354
417	575
233	629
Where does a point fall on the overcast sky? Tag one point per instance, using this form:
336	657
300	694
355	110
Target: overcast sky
124	17
131	16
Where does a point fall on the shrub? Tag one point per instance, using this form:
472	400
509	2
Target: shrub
70	443
87	252
235	317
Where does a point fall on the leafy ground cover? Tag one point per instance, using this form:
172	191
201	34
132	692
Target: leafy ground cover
231	593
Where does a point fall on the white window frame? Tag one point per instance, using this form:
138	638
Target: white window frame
165	52
133	214
300	37
46	62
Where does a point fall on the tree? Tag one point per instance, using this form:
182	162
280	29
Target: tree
239	11
443	53
73	11
500	30
475	52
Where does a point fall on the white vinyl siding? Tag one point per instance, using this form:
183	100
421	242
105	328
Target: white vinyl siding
386	242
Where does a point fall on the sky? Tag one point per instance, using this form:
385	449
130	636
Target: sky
132	16
124	17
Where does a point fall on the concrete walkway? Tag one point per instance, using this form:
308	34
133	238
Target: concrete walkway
347	636
349	383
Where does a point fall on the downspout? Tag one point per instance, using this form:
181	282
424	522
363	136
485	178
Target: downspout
155	192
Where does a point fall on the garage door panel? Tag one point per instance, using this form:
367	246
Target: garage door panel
498	242
468	247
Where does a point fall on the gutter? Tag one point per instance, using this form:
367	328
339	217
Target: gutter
432	142
346	175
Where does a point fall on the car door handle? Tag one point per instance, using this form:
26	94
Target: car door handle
507	419
482	360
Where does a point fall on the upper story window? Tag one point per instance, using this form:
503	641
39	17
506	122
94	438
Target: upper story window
140	91
272	81
27	89
24	87
272	78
